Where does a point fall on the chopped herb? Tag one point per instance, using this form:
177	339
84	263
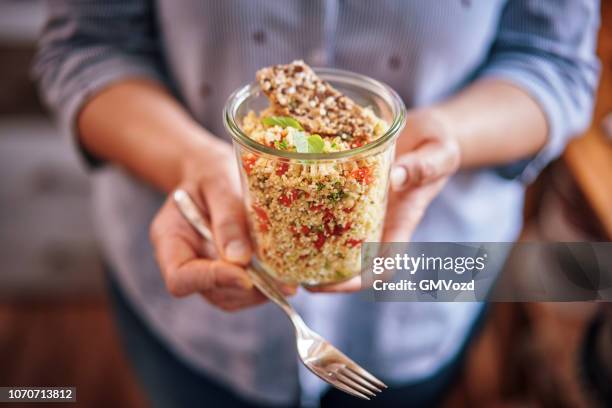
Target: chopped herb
320	186
282	121
281	145
336	196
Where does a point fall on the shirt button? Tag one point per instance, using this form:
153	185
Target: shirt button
395	62
259	37
205	90
318	57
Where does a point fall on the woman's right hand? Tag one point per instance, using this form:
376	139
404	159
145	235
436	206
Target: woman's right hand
189	264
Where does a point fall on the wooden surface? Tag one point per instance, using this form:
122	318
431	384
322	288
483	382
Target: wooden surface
589	158
70	343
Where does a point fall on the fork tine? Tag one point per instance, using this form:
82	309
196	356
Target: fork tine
354	385
363	373
346	388
359	379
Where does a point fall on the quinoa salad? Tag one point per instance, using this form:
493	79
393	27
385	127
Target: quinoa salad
309	218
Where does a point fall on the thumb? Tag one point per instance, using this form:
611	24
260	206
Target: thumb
228	222
424	165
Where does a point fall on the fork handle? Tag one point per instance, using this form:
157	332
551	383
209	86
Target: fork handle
259	277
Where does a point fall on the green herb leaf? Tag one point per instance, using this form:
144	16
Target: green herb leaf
307	144
315	144
320	186
282	121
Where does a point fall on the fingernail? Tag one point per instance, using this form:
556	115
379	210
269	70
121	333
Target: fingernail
242	283
398	177
236	251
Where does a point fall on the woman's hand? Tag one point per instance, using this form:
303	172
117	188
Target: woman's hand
158	141
189	264
427	155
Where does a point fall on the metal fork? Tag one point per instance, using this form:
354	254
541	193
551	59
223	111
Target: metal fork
317	354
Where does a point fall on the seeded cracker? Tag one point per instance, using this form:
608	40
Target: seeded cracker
295	90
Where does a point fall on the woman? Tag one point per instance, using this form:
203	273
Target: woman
495	90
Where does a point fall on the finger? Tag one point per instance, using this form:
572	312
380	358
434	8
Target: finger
232	300
288	290
206	249
406	210
351	285
195	274
426	164
228	221
176	244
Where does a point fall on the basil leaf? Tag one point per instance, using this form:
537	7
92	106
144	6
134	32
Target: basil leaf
282	121
301	142
315	144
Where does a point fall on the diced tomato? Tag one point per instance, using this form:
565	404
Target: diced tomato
285	200
261	213
320	240
328	222
282	168
363	175
339	229
354	242
289	197
357	143
328	216
262	217
348	210
248	162
316	207
305	230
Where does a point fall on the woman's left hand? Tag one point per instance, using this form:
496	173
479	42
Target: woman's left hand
427	156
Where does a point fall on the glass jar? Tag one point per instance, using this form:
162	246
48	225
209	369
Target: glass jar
309	213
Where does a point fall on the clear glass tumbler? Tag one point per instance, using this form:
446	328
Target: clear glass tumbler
309	213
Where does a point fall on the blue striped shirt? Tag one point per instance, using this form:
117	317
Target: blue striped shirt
426	50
